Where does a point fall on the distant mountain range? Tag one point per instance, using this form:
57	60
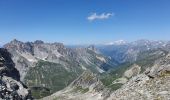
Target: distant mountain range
94	72
129	51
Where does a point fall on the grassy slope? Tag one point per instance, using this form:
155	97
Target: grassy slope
48	75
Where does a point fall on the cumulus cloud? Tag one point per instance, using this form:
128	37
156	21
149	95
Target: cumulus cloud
95	16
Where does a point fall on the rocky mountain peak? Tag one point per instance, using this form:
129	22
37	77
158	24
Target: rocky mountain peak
38	42
19	46
15	41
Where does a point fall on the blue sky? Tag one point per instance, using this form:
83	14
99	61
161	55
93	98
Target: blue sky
84	21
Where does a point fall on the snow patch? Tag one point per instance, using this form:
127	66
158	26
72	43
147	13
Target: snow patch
100	70
29	57
119	42
57	54
101	58
84	68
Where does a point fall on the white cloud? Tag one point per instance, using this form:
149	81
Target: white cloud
1	43
95	16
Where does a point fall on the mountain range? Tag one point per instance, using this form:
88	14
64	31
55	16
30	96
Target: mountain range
115	71
49	67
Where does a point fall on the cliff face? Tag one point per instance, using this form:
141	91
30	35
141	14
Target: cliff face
10	86
7	66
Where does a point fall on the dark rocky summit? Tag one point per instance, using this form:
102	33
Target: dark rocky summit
10	86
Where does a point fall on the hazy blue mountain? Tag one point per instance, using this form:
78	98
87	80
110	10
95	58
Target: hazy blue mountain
129	51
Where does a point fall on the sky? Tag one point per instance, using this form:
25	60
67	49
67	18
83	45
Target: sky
84	21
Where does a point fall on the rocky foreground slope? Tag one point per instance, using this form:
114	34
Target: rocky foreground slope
153	84
10	86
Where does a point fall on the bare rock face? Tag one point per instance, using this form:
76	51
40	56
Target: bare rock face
7	66
160	68
10	86
133	71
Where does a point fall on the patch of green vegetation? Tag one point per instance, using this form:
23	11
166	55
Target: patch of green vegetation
56	98
114	87
108	77
59	98
164	74
40	92
49	75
